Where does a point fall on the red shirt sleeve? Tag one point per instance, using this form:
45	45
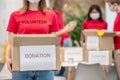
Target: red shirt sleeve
84	25
54	27
12	25
105	25
117	23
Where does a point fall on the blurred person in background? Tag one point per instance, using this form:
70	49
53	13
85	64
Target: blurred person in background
66	41
58	7
94	21
114	6
32	18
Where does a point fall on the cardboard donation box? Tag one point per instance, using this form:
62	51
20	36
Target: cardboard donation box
35	52
102	57
98	40
74	54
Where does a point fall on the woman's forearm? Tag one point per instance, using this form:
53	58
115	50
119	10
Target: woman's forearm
60	32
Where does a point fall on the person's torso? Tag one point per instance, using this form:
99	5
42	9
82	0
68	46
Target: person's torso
33	22
92	24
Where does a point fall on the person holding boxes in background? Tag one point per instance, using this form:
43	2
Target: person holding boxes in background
94	21
115	6
32	18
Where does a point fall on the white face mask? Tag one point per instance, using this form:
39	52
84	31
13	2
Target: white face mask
95	16
34	1
113	8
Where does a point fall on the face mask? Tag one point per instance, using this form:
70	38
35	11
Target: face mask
113	8
34	1
94	16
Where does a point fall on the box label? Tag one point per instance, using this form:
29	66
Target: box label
92	42
101	57
41	57
74	53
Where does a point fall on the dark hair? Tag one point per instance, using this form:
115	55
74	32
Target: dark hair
58	5
114	1
42	6
94	6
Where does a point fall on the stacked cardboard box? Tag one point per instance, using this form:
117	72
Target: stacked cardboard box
98	46
72	54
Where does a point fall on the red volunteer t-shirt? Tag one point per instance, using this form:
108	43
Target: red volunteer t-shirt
61	26
33	22
94	24
116	29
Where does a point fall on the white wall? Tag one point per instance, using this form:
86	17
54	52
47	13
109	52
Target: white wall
6	7
110	17
48	3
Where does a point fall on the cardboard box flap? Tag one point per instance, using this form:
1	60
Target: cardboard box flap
94	33
35	39
35	35
89	32
109	34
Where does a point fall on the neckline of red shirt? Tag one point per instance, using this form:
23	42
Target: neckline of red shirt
34	10
92	20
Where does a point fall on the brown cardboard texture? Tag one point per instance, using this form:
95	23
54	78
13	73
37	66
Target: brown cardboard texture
109	57
105	42
62	54
37	40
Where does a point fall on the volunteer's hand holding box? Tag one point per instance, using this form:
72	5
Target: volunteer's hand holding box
35	52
